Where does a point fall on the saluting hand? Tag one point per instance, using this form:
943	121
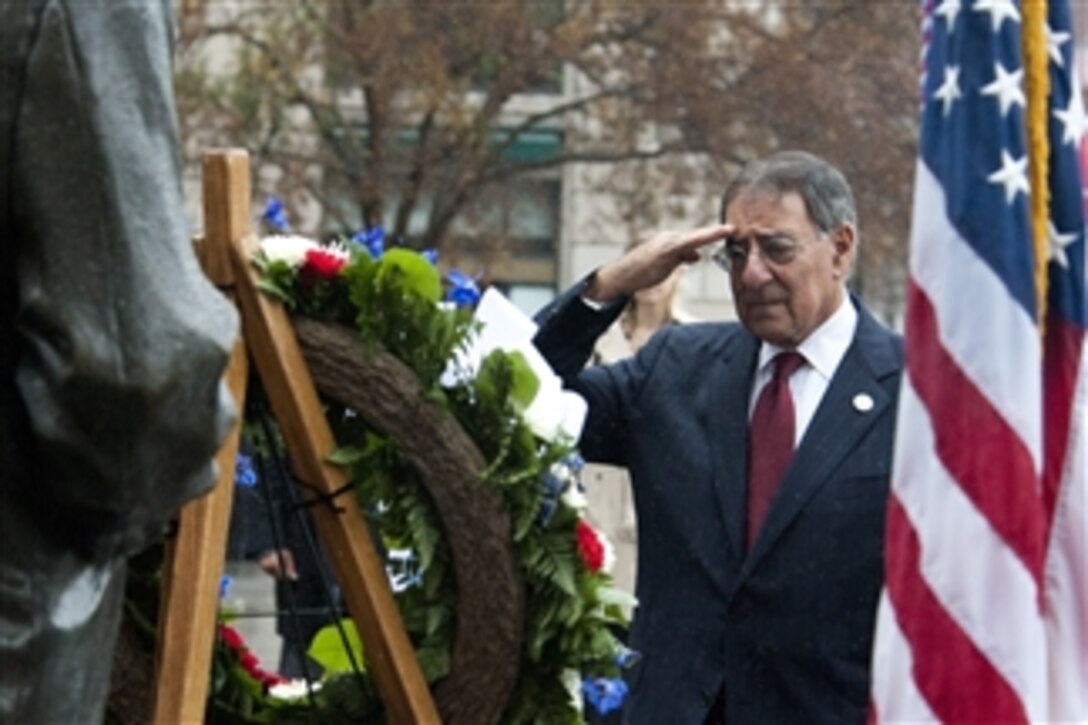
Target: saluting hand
649	263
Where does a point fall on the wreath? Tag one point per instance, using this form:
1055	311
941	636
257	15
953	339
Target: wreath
463	454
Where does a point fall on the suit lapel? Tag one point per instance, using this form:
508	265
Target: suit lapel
834	431
727	431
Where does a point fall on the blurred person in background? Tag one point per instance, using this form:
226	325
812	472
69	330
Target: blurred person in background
270	527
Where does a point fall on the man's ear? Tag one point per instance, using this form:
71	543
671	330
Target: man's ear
844	242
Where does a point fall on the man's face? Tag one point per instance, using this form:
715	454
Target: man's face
788	291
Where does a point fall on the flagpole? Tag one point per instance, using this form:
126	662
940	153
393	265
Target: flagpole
1037	84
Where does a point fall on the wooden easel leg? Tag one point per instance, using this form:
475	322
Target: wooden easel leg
191	574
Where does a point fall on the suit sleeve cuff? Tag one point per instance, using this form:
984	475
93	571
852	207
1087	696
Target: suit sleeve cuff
596	305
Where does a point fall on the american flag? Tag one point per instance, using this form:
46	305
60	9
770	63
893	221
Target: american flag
984	615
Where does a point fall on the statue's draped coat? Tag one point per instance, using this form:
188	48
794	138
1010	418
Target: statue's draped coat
113	342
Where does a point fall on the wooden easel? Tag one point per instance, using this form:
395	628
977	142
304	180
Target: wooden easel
194	560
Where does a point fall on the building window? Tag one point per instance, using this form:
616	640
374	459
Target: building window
509	233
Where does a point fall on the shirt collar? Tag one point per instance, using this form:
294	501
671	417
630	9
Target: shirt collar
825	347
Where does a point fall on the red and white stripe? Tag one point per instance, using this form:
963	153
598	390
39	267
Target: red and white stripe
1066	571
1065	490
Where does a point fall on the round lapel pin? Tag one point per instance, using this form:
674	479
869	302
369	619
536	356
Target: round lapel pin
863	402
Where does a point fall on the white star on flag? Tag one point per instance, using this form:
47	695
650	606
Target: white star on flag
1007	87
949	9
998	10
1013	175
1054	43
950	88
1073	119
1057	242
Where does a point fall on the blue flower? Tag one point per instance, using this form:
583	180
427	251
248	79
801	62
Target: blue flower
224	585
275	215
463	291
553	484
430	254
244	475
574	462
547	508
373	239
605	694
553	489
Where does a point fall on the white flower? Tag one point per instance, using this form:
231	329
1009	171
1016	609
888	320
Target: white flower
572	683
575	409
289	248
292	689
573	495
338	249
609	553
574	498
545	412
554	412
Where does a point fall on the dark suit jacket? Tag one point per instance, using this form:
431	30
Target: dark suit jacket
784	632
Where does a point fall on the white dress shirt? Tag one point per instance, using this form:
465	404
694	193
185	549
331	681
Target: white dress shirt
823	351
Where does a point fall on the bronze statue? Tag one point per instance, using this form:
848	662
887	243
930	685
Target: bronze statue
113	342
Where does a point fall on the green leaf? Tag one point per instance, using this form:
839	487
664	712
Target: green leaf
346	455
437	616
525	383
419	276
328	647
612	595
272	287
571	610
434	661
557	563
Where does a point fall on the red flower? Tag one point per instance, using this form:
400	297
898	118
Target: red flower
269	679
231	637
590	547
249	663
246	659
322	263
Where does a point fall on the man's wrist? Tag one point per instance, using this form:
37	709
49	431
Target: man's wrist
599	291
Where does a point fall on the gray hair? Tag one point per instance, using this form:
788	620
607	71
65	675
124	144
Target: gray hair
823	188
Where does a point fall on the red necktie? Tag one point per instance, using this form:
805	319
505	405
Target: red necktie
770	440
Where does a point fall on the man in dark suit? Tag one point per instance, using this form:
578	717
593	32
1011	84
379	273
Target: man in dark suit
759	454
